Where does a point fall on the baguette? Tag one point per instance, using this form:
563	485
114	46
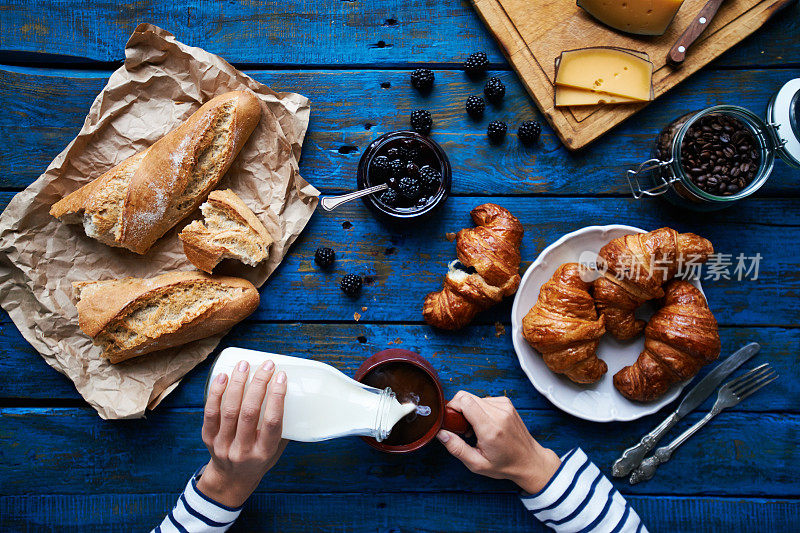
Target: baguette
231	231
133	204
131	317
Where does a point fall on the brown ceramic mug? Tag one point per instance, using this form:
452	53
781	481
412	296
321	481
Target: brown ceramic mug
412	378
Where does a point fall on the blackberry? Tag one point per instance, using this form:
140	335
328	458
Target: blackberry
397	167
496	131
412	170
494	90
410	188
324	257
475	106
351	285
421	121
390	197
422	80
393	153
423	201
430	178
529	132
409	150
380	167
476	64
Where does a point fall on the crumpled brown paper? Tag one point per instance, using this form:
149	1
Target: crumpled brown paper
161	83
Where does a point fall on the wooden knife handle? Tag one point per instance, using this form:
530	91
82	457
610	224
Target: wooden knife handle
677	54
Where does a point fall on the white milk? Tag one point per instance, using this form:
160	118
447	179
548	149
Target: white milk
321	402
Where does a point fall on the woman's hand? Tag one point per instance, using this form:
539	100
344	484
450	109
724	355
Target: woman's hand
243	446
505	449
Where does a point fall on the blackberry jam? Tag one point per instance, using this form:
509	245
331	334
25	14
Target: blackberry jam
416	170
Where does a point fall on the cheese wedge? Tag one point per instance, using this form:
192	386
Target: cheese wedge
614	71
569	96
642	17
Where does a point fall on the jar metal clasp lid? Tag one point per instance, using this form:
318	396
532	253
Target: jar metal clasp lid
654	170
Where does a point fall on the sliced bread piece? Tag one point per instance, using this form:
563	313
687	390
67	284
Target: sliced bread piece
230	230
129	317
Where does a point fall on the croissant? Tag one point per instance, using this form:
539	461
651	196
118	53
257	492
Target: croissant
487	269
564	327
680	338
635	267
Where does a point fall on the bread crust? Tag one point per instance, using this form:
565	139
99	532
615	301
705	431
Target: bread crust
103	304
635	268
491	249
197	239
680	338
564	326
148	191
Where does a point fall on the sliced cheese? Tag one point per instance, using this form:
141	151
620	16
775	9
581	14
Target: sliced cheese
642	17
608	70
570	96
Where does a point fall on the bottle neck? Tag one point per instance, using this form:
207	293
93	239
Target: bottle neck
383	419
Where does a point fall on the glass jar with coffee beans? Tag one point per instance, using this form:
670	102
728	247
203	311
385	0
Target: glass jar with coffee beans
708	159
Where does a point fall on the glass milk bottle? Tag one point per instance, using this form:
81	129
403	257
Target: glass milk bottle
321	402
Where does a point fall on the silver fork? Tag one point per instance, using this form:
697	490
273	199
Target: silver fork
729	395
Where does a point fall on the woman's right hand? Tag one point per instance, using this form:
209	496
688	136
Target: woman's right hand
505	449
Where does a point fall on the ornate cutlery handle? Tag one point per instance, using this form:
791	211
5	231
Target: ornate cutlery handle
329	203
632	457
648	467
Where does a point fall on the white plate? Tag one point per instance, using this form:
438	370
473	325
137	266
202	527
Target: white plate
598	402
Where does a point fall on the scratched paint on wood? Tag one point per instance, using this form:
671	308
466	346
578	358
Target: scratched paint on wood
56	451
355	32
445	512
45	110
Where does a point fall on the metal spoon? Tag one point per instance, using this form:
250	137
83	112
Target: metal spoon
329	203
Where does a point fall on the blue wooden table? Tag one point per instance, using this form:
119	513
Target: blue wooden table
62	466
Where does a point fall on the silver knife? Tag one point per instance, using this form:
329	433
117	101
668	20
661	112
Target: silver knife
632	457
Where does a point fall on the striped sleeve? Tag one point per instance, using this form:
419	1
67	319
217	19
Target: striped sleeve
197	513
580	498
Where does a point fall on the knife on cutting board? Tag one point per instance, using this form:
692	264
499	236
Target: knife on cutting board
677	53
632	457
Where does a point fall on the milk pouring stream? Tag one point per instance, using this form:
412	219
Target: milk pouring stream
321	402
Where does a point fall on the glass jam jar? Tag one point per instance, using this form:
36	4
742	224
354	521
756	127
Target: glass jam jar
666	174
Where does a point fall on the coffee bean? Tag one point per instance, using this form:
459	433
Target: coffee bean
719	154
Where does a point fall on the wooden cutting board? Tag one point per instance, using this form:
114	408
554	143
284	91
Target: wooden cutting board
533	33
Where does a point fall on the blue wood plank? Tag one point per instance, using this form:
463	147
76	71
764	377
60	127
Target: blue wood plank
403	265
54	451
71	450
442	512
302	32
350	109
477	360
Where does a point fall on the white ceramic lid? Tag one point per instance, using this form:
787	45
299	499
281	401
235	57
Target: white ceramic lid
783	114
